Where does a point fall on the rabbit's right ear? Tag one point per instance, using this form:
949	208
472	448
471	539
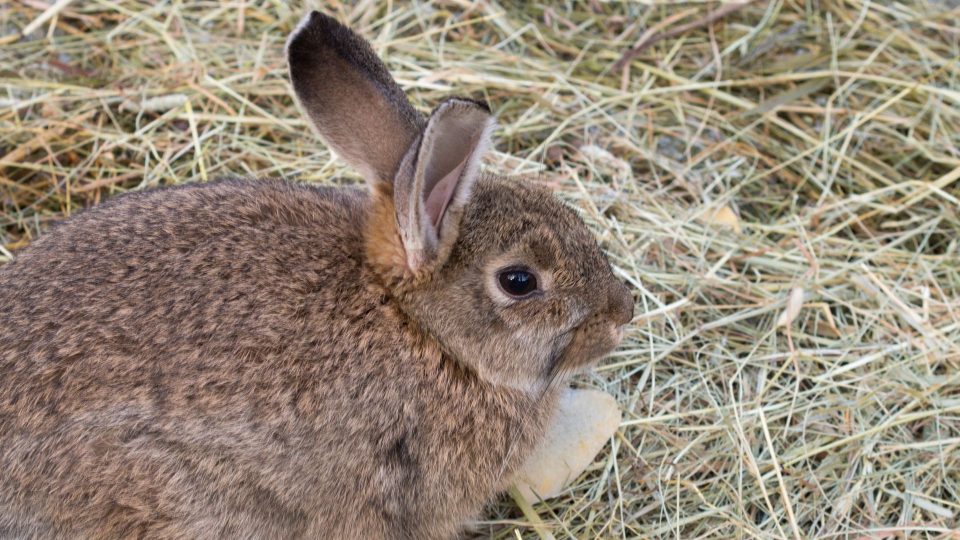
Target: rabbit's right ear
350	97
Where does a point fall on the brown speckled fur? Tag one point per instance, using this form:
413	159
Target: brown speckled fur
251	359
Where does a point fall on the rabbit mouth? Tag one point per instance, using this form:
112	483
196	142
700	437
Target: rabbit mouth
583	346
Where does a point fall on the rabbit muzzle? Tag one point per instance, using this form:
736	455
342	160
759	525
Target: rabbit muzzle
599	333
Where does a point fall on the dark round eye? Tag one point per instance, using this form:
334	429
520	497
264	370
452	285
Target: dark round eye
517	282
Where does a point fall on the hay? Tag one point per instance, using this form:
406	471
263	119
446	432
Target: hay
780	185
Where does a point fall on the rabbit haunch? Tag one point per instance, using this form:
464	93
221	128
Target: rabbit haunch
265	359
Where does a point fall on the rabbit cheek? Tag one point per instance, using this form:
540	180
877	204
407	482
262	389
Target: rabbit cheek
522	359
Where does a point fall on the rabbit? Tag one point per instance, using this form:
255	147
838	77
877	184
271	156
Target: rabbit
269	359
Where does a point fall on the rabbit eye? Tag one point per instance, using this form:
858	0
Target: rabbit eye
517	282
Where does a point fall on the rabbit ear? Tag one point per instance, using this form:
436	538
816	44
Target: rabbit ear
350	97
437	176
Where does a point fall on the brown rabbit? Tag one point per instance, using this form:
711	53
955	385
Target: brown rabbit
264	359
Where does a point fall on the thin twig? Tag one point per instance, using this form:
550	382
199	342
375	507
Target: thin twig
707	19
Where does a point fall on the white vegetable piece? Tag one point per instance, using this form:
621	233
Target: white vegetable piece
584	422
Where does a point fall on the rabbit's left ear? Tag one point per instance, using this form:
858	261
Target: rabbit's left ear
350	98
436	178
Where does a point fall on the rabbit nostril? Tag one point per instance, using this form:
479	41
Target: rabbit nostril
627	314
621	304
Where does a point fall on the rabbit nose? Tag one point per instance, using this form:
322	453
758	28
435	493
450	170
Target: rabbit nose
621	304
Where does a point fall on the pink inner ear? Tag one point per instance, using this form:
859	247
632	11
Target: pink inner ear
439	197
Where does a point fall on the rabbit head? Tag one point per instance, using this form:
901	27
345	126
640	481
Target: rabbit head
508	279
